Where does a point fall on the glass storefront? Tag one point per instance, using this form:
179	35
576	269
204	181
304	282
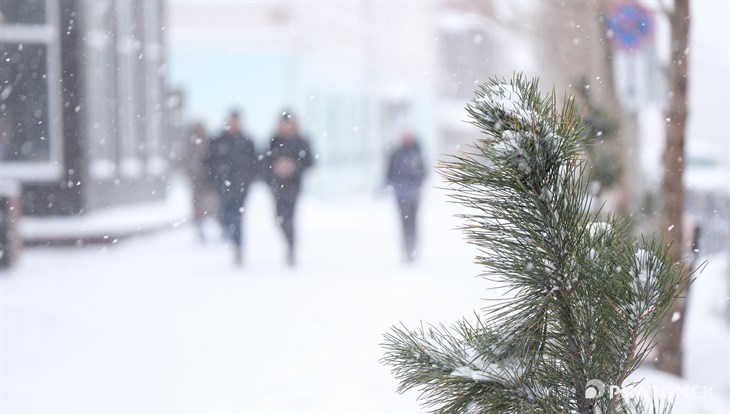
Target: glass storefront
22	11
24	88
24	134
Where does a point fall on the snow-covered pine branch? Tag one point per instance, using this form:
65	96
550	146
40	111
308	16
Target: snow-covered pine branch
586	296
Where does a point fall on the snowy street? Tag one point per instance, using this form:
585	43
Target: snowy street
591	139
160	323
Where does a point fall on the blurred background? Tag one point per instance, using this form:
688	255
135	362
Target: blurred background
117	289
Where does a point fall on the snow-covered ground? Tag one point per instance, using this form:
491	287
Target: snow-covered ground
163	324
706	386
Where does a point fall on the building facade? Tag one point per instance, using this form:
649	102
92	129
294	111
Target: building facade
82	113
353	72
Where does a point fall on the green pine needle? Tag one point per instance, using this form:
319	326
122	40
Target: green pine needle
584	296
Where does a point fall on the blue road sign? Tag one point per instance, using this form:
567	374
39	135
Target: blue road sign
631	25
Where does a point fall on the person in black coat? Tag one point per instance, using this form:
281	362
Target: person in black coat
289	156
231	166
405	174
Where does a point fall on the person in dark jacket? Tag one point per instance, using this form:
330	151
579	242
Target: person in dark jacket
231	166
405	174
289	156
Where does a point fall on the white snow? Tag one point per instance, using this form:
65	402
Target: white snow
504	371
503	95
467	372
508	98
501	372
598	227
161	324
509	146
707	329
643	259
705	387
676	316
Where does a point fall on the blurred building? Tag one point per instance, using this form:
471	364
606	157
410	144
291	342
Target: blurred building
471	49
82	103
334	64
357	72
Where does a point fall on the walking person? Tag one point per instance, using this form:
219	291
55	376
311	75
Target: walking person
405	174
231	164
289	156
203	194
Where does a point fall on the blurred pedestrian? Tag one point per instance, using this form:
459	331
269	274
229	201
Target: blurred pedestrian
289	156
231	165
204	199
405	174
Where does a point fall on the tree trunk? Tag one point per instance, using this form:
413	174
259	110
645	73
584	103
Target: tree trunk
672	189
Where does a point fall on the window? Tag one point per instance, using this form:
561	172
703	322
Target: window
23	12
30	95
24	102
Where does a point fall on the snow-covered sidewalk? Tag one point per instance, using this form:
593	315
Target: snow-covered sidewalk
162	324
